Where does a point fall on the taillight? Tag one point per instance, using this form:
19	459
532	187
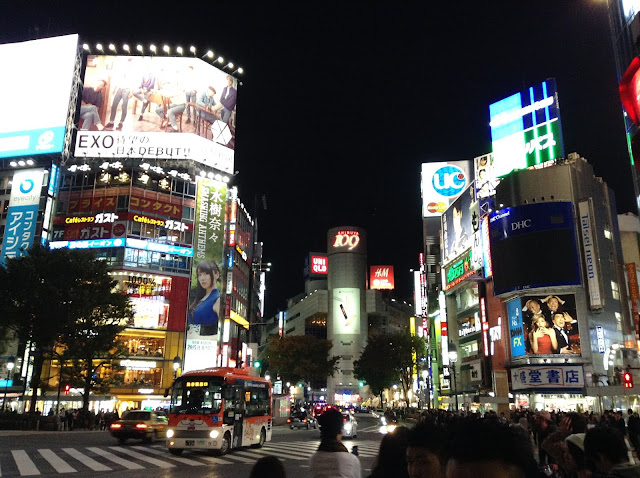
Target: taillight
288	420
304	421
116	425
142	426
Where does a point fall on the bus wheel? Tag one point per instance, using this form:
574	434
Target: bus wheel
226	444
263	438
176	451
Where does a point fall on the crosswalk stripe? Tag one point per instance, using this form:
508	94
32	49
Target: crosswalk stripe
86	460
232	456
25	466
186	461
217	461
140	456
54	460
302	453
279	454
116	459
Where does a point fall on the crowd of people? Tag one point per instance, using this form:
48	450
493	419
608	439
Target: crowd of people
468	445
74	419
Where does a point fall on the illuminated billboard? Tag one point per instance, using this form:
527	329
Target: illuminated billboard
442	183
381	278
205	308
630	90
22	213
158	108
526	129
346	239
37	123
533	245
549	325
486	180
316	266
346	310
459	224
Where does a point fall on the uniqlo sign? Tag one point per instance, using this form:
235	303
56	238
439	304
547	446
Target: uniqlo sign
381	277
319	265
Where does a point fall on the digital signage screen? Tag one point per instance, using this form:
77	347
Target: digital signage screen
442	183
533	245
459	224
37	122
158	108
526	129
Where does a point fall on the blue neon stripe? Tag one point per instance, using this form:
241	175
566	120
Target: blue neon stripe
532	98
544	95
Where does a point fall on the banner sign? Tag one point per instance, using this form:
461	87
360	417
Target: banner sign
381	278
154	145
22	213
543	376
516	331
203	318
137	202
591	263
634	295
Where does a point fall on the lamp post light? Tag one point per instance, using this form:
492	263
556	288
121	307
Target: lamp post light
10	364
176	365
453	358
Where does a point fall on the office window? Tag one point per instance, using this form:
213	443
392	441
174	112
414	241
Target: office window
615	290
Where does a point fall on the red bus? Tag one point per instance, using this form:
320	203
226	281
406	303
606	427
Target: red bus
219	409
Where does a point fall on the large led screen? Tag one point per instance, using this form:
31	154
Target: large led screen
205	307
526	129
442	183
550	324
346	311
459	224
35	87
533	245
158	108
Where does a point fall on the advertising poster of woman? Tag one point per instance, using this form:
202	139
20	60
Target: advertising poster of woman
550	324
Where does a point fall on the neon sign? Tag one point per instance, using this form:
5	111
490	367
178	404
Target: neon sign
348	239
319	265
459	270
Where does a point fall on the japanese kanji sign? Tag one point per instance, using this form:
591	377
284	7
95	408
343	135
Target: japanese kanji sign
553	376
22	213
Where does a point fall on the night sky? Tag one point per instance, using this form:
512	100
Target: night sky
341	104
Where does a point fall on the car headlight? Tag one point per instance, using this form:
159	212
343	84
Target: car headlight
170	433
348	427
214	434
383	420
390	428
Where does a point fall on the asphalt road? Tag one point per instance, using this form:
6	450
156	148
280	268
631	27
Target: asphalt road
96	454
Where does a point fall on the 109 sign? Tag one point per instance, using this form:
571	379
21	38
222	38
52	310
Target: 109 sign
348	239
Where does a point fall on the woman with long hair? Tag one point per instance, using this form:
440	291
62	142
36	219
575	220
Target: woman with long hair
543	339
205	309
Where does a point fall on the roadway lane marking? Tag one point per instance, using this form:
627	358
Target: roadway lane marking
242	459
296	454
54	460
186	461
86	460
267	452
217	461
116	459
25	466
140	456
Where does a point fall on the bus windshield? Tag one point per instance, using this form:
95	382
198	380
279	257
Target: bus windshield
197	395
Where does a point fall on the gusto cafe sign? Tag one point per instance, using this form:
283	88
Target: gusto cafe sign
346	239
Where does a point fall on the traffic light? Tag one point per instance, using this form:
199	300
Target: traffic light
361	383
67	387
627	380
256	363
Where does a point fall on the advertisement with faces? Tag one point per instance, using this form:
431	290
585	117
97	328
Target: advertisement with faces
346	310
550	324
158	108
459	225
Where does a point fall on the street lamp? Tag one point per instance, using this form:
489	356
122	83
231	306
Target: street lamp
10	364
453	358
176	365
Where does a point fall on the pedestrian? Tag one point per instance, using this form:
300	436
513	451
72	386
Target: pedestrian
332	458
62	420
633	428
426	450
606	453
392	456
268	467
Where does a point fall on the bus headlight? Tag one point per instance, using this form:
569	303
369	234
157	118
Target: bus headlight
348	427
170	433
214	434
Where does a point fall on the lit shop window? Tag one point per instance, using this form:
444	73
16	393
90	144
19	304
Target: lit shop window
607	233
618	320
615	290
149	297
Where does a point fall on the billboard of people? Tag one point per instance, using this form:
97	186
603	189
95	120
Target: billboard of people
205	313
157	108
550	324
459	223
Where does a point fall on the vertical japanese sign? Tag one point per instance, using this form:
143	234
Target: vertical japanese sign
22	213
634	295
205	308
